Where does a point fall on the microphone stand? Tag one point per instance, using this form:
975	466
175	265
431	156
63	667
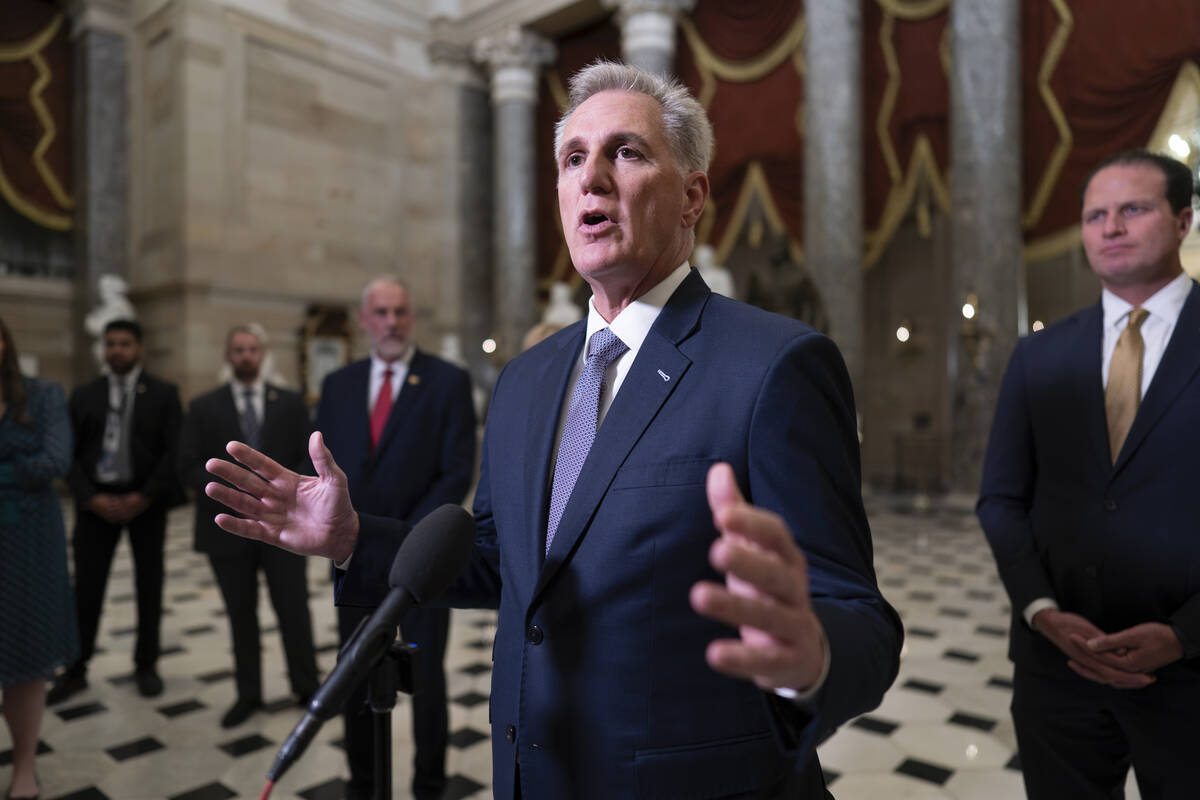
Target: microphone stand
391	674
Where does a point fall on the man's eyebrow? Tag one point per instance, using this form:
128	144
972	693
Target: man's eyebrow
618	137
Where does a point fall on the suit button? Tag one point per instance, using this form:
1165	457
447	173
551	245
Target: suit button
1110	504
510	732
534	634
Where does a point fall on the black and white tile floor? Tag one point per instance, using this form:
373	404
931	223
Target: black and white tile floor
943	731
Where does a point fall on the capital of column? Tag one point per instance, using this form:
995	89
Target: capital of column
453	61
630	8
514	55
108	15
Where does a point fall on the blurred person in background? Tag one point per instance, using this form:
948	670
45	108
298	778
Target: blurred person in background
37	626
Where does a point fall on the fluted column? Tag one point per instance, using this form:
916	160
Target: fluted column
100	117
833	202
648	31
985	200
514	58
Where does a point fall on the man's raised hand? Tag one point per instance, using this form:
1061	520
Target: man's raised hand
306	515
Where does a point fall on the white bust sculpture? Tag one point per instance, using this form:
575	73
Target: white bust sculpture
560	310
113	305
717	277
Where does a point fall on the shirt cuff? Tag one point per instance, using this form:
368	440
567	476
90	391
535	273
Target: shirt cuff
803	696
345	564
1040	604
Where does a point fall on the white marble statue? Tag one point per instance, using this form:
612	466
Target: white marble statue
113	305
560	310
719	279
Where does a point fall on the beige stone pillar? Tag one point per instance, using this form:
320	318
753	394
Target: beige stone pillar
648	31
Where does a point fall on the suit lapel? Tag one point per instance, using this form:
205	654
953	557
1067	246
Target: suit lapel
267	423
658	369
406	400
543	411
1084	374
1179	364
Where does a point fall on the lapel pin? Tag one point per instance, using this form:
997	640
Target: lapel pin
664	375
413	380
272	396
141	388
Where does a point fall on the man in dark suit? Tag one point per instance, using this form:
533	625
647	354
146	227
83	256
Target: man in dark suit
276	421
668	512
1088	504
402	424
126	427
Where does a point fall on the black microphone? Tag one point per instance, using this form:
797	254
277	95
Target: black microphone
429	560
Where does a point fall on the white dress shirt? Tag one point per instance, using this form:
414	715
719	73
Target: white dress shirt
399	369
1164	307
257	390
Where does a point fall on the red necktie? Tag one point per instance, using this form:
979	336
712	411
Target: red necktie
382	408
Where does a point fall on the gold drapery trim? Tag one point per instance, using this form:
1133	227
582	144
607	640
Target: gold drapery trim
1052	245
711	66
922	163
910	10
754	184
1058	156
30	50
922	171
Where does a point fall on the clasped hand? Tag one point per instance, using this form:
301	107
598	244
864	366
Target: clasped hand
765	595
1125	659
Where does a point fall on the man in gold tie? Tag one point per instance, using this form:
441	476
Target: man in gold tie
1089	505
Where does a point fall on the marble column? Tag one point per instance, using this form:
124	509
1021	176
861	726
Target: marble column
100	120
985	232
515	57
833	202
466	286
648	31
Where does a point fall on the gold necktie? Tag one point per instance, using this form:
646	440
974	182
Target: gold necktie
1124	390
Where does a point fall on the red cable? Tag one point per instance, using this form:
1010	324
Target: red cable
266	792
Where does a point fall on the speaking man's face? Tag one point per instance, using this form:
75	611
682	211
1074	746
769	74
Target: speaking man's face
627	209
387	318
1129	232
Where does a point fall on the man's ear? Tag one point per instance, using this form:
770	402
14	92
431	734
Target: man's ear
695	194
1185	223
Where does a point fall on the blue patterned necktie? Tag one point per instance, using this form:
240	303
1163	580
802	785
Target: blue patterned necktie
582	420
250	426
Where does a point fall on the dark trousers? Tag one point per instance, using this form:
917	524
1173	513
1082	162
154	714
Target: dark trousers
428	628
93	546
1077	739
288	588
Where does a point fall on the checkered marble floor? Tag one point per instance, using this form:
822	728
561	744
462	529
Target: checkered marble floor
943	731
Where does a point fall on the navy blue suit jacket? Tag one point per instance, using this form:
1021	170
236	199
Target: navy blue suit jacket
426	454
1116	544
600	685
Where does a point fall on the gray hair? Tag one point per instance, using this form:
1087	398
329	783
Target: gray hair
685	123
380	280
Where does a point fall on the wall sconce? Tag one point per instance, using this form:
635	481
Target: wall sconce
976	338
908	340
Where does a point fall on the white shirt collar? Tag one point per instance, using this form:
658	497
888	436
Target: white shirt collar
255	386
635	320
1165	304
378	365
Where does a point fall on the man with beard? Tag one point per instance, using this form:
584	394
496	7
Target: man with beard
126	427
250	409
402	424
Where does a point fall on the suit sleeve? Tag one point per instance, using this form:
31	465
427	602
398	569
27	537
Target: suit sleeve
804	464
1006	494
48	408
83	487
456	459
161	484
190	460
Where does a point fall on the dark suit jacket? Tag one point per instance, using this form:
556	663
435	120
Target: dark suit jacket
156	418
212	421
600	682
1114	543
426	454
